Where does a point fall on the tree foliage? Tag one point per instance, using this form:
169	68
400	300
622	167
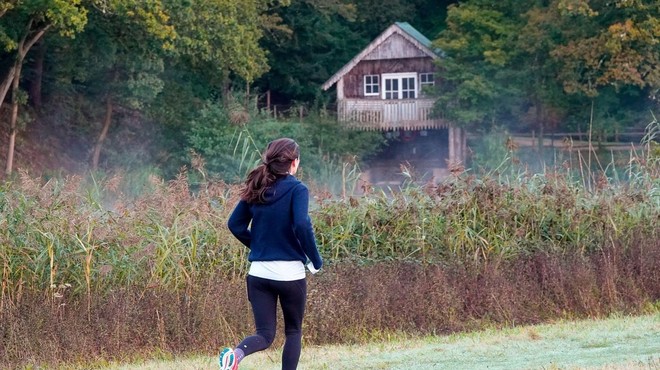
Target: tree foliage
314	41
612	43
478	46
523	64
540	63
221	35
25	22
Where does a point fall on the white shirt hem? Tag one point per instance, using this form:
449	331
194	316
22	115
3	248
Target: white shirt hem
278	270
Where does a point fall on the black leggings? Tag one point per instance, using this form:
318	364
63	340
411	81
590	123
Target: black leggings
263	295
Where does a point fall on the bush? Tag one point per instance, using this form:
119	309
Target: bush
230	150
86	271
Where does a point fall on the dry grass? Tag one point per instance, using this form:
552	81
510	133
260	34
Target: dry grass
623	343
88	273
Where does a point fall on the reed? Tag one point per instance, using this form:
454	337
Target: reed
66	232
154	268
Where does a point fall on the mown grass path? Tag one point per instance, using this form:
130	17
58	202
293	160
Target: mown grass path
614	343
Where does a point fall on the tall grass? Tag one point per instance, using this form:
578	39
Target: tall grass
114	273
87	234
61	233
505	213
483	219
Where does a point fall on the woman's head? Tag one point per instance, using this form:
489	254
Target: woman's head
280	155
281	158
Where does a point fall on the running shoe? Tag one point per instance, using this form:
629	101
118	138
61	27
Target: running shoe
228	359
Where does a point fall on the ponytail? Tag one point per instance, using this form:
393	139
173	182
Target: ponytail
279	155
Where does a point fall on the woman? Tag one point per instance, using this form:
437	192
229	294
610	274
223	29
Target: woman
281	240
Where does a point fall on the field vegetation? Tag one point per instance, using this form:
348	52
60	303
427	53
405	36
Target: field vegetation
132	121
616	343
91	273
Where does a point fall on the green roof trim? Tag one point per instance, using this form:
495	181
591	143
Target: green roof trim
415	34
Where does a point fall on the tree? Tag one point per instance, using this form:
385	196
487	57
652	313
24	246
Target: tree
430	15
221	37
25	24
508	59
539	34
315	42
608	59
138	34
117	60
217	51
477	47
612	43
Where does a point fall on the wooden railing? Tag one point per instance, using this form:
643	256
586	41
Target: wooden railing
386	115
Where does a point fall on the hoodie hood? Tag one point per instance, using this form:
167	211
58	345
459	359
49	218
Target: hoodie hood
281	187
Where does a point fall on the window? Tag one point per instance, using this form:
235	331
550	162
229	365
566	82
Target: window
408	88
391	88
400	86
371	85
426	79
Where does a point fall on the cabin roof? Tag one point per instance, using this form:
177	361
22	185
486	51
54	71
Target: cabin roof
412	31
403	29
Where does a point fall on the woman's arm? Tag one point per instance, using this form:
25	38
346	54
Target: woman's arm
239	221
302	225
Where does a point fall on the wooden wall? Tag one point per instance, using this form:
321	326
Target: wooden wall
394	46
353	80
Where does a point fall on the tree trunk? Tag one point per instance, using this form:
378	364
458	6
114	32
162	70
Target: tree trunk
25	44
104	133
37	75
6	83
12	79
13	126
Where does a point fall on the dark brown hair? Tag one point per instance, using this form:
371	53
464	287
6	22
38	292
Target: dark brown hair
276	163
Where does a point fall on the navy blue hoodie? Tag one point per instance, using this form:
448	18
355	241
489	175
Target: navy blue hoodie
281	229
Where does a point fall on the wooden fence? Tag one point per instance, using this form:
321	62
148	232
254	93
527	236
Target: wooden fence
387	115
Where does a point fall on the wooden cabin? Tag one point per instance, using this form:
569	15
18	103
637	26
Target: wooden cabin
383	88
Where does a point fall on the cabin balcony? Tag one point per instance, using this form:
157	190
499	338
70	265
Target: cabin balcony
389	115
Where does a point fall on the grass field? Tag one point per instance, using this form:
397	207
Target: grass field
614	343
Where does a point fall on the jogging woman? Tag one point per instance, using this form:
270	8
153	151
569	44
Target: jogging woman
272	220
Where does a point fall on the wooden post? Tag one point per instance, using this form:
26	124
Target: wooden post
268	101
463	146
450	142
459	145
256	103
340	89
247	96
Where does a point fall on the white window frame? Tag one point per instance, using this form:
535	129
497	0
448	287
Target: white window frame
399	77
423	83
424	76
372	84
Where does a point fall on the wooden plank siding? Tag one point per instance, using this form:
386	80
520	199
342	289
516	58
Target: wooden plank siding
395	56
388	115
395	47
353	84
400	49
374	113
398	35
